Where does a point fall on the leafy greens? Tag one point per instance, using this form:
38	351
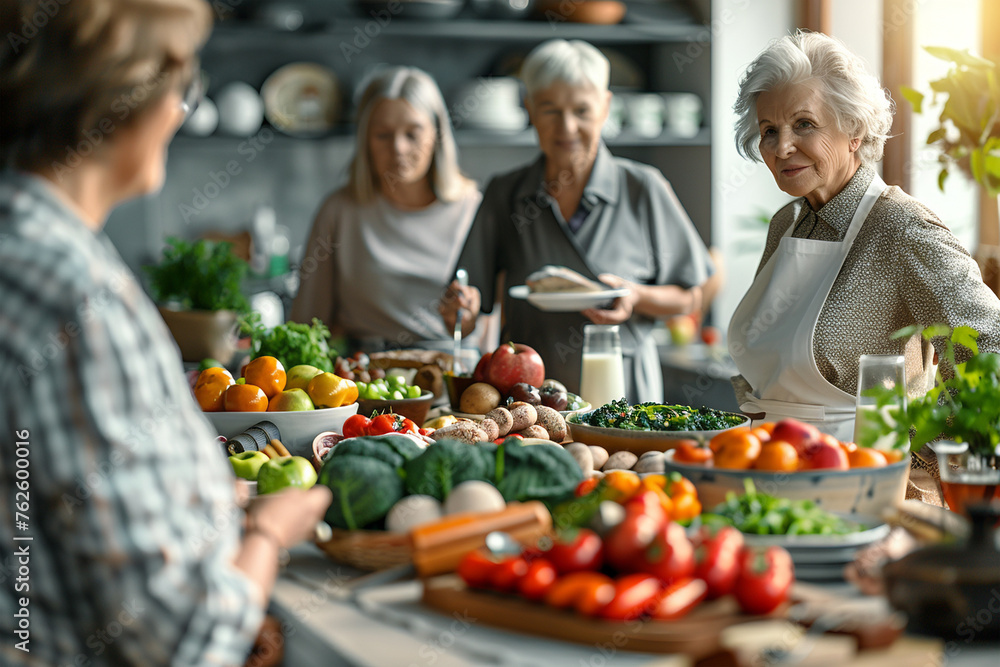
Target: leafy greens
656	417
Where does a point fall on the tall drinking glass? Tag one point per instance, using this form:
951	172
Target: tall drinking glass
885	371
602	376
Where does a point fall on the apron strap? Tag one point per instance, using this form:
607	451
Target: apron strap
801	411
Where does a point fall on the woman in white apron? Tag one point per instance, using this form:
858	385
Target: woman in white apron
850	260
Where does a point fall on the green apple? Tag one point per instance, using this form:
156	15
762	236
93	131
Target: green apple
286	471
209	362
246	465
298	377
290	400
683	329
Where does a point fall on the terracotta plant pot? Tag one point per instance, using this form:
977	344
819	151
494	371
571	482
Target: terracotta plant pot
202	334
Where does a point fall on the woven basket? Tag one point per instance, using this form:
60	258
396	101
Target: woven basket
368	549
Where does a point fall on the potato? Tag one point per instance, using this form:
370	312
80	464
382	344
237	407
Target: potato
552	422
581	454
479	398
524	415
465	431
502	417
655	462
534	431
490	428
600	456
619	461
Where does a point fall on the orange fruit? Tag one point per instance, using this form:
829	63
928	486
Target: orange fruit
245	398
738	452
266	373
210	388
716	443
690	451
762	433
866	457
895	455
777	456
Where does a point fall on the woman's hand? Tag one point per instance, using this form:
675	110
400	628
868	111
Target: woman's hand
290	516
458	296
621	308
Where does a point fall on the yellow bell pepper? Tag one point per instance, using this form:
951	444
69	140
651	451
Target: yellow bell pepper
328	390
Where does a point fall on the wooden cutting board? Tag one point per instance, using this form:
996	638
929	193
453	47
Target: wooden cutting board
696	635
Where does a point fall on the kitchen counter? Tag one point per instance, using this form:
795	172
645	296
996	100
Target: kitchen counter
387	625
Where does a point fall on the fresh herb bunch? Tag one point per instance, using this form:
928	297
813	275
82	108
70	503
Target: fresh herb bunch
964	407
203	275
292	343
761	514
656	417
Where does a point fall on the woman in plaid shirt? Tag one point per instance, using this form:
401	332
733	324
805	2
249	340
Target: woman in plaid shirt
134	549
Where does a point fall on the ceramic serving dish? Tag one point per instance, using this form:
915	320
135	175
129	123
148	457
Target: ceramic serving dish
637	442
865	491
297	429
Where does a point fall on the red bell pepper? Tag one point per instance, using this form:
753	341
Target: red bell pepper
717	559
587	592
634	595
678	598
765	579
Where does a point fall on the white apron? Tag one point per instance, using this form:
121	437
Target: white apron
771	333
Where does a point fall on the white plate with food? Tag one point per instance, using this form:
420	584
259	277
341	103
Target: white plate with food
564	302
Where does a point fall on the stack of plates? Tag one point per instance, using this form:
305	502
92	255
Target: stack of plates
823	557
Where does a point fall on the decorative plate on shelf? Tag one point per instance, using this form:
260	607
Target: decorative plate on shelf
301	99
566	302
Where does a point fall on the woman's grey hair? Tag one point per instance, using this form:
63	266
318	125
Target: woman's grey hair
575	62
418	89
861	106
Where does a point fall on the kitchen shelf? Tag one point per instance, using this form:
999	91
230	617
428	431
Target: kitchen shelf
468	138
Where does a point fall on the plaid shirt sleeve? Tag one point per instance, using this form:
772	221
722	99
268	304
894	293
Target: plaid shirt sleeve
132	512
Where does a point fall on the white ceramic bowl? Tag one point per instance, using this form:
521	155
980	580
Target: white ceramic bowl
297	428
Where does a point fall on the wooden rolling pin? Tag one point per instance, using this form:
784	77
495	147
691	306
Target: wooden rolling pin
439	547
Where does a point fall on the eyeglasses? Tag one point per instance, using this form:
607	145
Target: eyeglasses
193	92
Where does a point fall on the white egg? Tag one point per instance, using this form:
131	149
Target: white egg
412	511
203	121
474	496
241	111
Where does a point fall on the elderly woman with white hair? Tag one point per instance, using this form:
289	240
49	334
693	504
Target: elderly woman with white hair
578	206
381	247
850	260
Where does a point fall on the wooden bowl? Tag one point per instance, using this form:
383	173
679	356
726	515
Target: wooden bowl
637	442
866	491
368	549
411	408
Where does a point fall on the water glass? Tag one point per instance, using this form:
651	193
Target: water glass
879	371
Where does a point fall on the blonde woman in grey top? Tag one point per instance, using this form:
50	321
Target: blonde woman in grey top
851	260
381	248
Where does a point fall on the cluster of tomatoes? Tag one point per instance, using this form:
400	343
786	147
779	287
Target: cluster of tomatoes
645	566
785	446
216	390
356	426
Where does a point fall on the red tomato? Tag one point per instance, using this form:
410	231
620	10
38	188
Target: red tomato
408	426
538	580
717	559
387	423
765	579
508	573
585	487
626	544
584	551
587	592
356	426
710	335
670	556
634	593
678	598
476	569
690	451
648	502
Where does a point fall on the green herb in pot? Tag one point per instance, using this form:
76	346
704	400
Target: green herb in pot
204	275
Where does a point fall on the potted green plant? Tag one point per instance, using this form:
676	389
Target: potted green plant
959	417
968	136
199	288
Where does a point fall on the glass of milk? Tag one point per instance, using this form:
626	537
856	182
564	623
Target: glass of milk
887	371
602	377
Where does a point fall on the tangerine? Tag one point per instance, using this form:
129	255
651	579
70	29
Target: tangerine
866	457
266	373
245	398
210	388
777	456
739	451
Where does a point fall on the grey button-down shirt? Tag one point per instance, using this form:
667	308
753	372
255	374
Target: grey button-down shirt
635	228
